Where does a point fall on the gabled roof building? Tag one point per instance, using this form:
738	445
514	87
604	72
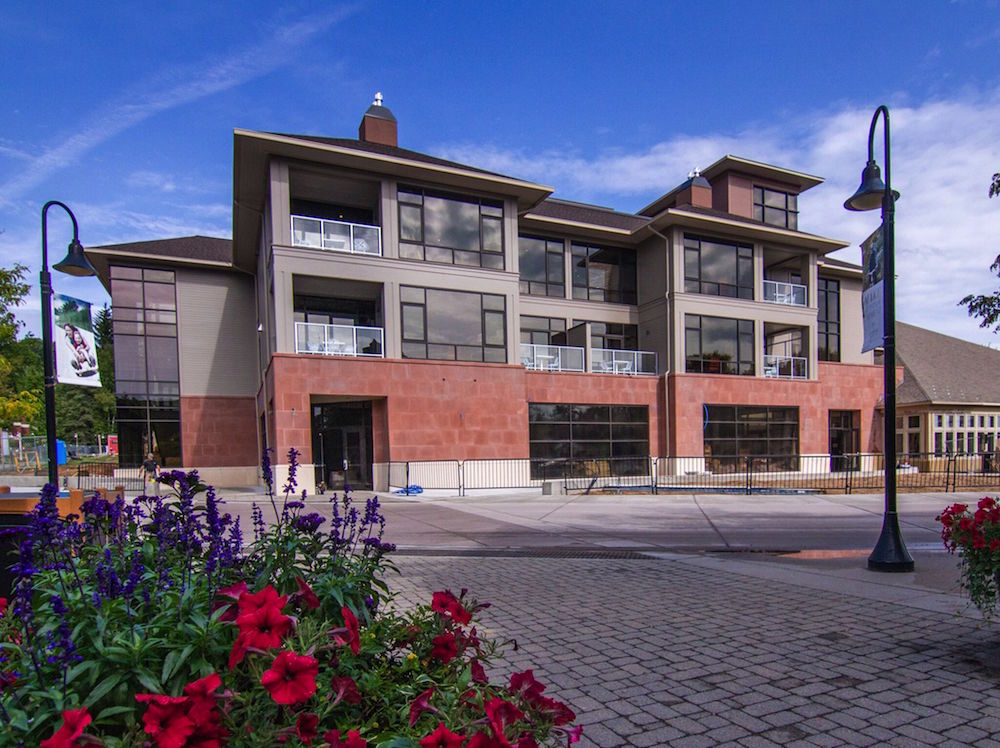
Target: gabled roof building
378	307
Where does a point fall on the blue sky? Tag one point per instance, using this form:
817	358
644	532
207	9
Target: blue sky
125	111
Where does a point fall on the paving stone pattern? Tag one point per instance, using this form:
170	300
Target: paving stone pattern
659	653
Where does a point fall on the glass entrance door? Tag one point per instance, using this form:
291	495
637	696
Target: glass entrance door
844	440
342	444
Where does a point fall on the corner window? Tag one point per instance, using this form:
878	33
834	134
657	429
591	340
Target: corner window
776	208
717	268
603	274
436	227
540	265
716	345
542	330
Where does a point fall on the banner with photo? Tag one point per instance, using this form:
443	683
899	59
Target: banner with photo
873	291
76	348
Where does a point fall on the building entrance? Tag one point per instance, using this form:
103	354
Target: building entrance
342	444
845	440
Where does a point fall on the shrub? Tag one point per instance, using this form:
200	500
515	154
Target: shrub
150	622
975	535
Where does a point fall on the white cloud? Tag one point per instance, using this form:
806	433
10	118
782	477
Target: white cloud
943	154
173	88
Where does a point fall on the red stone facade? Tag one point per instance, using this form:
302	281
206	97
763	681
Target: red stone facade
218	431
839	387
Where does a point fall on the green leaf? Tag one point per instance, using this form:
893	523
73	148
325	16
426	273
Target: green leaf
398	743
148	680
113	711
169	663
102	688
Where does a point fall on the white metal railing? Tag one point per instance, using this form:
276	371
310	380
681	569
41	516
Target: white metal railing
786	367
340	236
552	357
785	293
338	340
609	361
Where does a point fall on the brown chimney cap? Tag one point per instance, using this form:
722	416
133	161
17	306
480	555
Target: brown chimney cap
378	111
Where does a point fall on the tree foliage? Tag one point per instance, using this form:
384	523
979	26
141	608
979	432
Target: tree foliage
987	306
19	402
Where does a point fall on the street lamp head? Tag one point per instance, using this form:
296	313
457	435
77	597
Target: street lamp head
76	262
870	193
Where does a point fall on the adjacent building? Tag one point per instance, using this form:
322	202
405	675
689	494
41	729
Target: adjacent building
377	305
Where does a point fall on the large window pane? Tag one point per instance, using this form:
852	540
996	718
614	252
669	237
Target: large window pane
445	228
604	274
454	325
734	433
718	268
578	434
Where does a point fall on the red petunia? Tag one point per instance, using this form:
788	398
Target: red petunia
478	672
305	727
445	648
3	605
350	635
266	598
420	705
292	678
501	714
166	719
525	685
526	741
306	595
265	627
231	609
74	723
486	740
202	698
442	737
446	603
353	739
345	689
559	713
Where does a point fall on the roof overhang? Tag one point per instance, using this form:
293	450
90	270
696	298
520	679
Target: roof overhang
252	151
743	230
798	179
534	222
102	258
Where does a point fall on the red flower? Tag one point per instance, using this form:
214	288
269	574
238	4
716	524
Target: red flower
266	598
233	593
354	739
3	605
995	545
442	737
559	713
239	650
305	727
478	672
486	740
502	714
265	627
350	635
74	723
292	678
525	685
202	698
420	705
978	542
574	734
346	690
445	648
306	595
446	603
166	719
526	741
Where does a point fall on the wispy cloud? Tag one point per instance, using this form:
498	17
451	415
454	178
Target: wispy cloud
943	153
173	88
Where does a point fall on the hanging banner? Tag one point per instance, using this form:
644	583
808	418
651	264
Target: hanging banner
76	349
873	291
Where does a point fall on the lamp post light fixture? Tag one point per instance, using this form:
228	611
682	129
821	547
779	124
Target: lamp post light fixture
76	264
890	552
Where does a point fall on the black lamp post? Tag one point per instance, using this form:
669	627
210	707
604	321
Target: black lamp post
890	552
75	264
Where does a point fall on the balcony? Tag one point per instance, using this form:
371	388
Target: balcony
777	292
552	357
608	361
338	340
338	236
786	367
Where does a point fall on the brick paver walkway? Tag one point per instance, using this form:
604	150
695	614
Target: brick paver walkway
663	652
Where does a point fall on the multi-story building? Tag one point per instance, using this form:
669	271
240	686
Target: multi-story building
381	305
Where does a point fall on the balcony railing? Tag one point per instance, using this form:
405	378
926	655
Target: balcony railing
552	357
786	367
338	340
339	236
785	293
608	361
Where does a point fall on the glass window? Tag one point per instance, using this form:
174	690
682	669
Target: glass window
541	330
828	320
603	274
540	265
776	208
453	325
735	432
619	337
717	268
438	227
717	345
567	440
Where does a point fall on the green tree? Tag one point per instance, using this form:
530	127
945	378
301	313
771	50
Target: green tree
987	306
18	401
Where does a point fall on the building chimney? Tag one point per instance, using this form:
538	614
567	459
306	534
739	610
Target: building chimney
378	125
696	191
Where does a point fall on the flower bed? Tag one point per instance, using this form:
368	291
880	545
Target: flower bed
151	622
975	536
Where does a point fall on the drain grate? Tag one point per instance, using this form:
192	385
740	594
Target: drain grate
610	553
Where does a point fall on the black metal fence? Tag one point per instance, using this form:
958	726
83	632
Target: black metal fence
746	474
93	475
